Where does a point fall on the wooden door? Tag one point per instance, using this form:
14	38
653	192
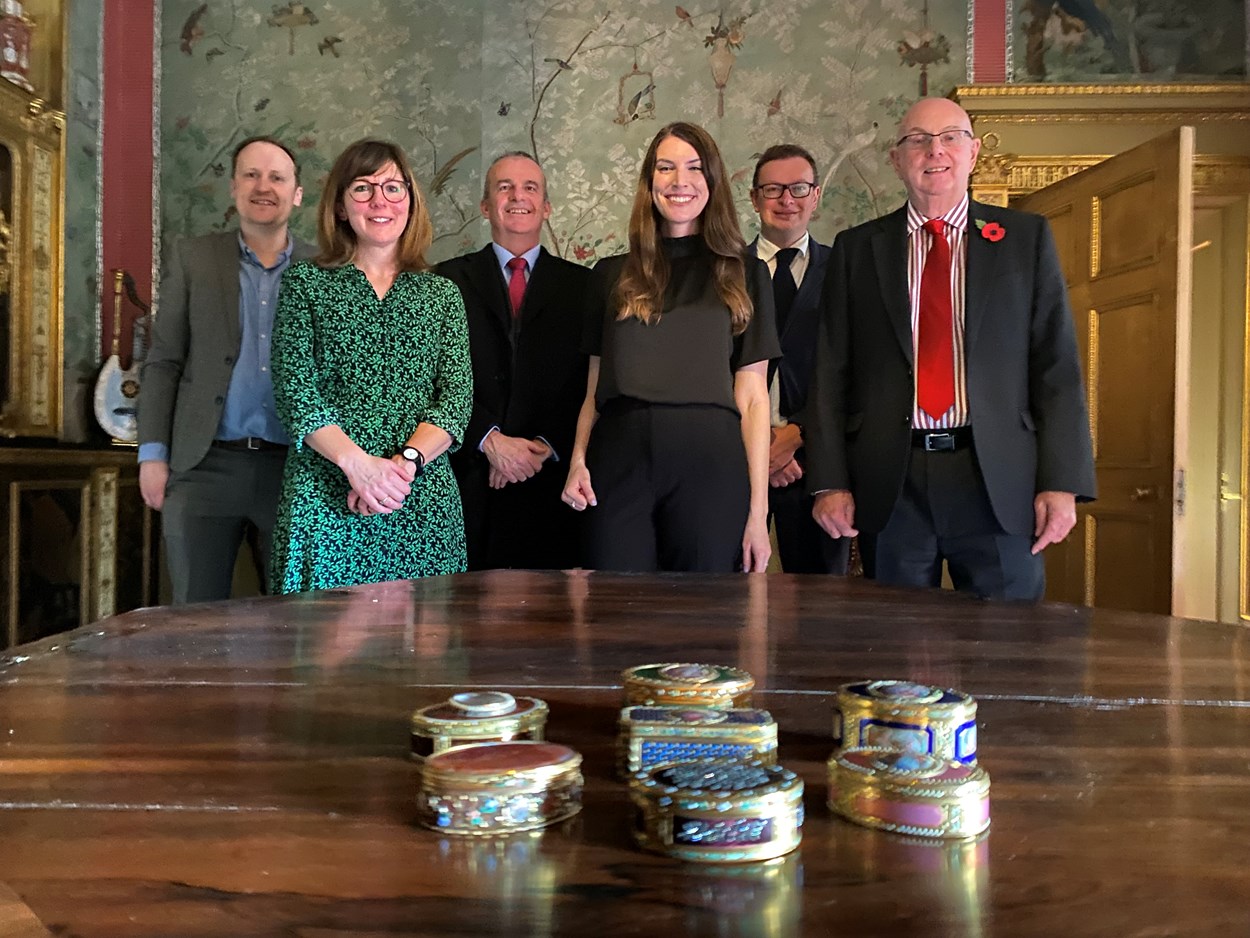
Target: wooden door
1123	229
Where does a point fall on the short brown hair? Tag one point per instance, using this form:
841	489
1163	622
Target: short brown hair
335	236
262	138
784	151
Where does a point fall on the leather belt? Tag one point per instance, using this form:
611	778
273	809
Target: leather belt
942	441
253	444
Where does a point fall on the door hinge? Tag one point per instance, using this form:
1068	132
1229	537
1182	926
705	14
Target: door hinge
1180	492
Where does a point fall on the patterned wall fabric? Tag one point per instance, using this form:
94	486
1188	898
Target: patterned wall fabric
583	83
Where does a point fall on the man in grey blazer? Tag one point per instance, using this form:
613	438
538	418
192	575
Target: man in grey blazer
211	447
948	419
785	190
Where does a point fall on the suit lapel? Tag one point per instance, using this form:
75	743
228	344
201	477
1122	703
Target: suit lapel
489	277
889	250
813	281
226	260
982	263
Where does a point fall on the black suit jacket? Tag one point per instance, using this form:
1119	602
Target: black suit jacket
798	336
1026	395
529	379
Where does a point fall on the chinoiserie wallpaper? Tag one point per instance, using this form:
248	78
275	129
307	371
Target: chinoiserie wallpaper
584	84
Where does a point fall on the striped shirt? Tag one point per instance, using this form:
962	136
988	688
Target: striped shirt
918	242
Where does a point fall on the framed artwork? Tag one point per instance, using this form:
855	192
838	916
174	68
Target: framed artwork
1077	41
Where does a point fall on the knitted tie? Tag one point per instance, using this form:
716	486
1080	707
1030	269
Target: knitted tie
516	284
784	287
935	346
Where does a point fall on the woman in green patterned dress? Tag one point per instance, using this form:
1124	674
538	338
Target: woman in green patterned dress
371	377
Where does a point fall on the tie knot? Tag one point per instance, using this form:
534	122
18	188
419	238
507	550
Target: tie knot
786	256
935	227
516	263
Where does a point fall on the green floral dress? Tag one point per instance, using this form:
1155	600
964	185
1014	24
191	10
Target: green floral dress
374	368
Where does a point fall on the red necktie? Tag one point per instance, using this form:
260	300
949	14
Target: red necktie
935	346
516	284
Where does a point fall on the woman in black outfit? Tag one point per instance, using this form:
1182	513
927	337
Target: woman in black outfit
674	428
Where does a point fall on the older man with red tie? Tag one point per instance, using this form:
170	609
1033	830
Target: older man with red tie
947	420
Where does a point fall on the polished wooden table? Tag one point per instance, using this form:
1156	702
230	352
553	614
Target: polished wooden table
241	768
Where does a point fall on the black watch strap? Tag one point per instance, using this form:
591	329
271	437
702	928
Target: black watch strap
414	456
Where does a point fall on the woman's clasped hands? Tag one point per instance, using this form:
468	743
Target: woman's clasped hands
378	486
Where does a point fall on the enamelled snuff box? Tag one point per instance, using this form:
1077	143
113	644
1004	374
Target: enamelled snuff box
651	736
909	793
499	788
718	811
476	717
906	715
688	685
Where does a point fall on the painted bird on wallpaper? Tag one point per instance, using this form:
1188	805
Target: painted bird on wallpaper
192	31
774	106
684	15
865	138
330	44
636	103
213	53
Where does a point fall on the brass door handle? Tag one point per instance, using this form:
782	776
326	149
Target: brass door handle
1144	493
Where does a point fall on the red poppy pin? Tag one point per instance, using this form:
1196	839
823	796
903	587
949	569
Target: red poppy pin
991	230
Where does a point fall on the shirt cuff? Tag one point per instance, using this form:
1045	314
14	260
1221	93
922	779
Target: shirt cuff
553	455
153	452
485	436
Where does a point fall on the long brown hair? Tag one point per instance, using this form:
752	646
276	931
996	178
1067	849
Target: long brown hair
335	236
640	291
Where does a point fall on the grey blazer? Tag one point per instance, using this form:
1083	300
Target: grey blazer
195	342
1026	395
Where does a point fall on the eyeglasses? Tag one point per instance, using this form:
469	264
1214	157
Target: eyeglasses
950	139
393	190
773	190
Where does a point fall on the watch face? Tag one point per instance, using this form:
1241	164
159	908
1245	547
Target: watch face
410	453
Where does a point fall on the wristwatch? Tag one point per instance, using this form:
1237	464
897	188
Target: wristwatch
414	456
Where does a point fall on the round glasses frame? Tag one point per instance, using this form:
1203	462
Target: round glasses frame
392	190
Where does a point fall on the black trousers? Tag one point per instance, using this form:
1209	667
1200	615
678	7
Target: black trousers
672	488
944	513
801	543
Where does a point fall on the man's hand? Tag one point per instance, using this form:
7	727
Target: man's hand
790	472
513	458
153	477
784	442
1055	514
834	511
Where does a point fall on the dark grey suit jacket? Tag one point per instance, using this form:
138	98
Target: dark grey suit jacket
195	342
1026	396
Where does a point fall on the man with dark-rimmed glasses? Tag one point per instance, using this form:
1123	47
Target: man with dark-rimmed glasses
784	193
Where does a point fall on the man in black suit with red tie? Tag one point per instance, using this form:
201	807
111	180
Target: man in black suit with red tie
947	415
524	307
784	193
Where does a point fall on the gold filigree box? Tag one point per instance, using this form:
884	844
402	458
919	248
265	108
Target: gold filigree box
909	793
476	717
688	685
499	788
651	736
906	715
718	811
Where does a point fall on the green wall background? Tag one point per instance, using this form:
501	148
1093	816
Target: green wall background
583	83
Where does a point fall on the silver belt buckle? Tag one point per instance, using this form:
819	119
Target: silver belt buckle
253	443
939	442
